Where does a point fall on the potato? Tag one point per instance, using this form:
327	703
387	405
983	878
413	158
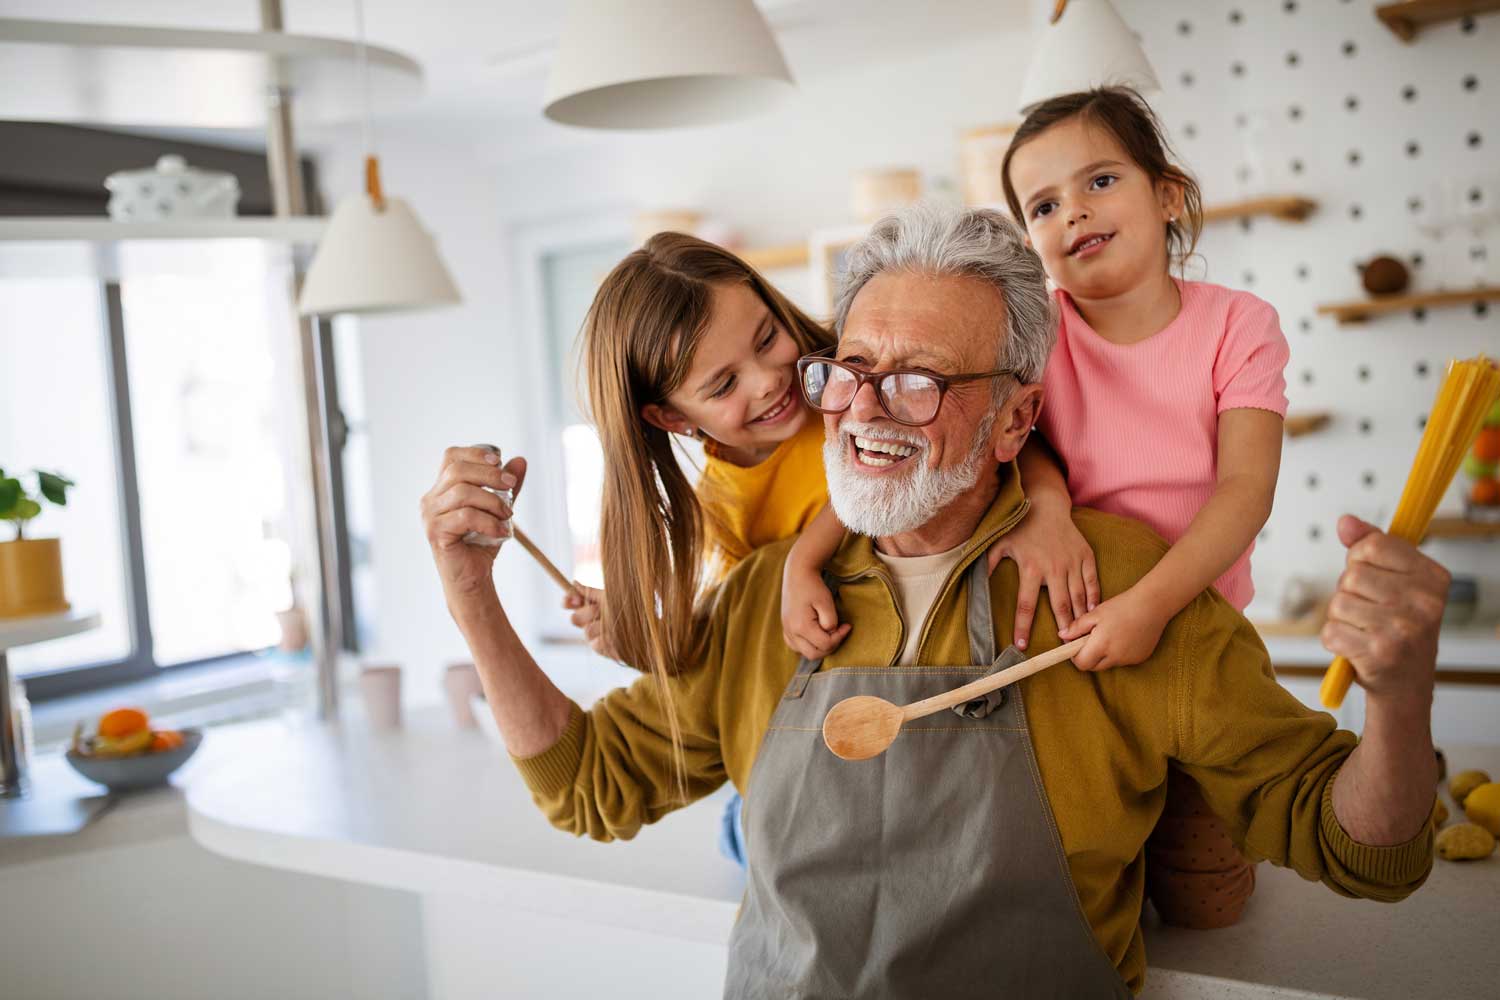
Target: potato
1482	806
1439	814
1465	842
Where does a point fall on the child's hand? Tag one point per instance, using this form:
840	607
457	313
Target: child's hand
1049	550
809	620
1123	630
587	606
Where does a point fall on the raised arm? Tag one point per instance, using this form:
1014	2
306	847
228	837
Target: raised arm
602	772
1353	813
529	709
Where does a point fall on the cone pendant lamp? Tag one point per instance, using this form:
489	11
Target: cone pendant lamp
636	64
375	256
1087	45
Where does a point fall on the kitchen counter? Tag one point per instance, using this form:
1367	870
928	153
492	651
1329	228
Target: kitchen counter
441	812
1475	648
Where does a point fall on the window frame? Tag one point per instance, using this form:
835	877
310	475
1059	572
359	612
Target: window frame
141	663
547	514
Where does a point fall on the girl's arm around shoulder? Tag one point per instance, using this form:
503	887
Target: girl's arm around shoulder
1126	628
809	618
1046	547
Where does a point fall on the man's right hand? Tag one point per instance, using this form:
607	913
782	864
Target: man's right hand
457	504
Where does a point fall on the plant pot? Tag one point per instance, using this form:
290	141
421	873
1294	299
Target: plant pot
31	581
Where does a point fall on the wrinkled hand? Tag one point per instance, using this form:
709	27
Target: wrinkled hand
587	606
1049	551
1385	614
1123	630
809	618
458	504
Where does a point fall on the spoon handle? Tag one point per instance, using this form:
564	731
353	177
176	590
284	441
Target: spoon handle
990	682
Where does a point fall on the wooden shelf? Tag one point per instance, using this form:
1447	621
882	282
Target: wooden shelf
1298	424
1406	19
1359	311
1459	527
1287	208
93	229
776	258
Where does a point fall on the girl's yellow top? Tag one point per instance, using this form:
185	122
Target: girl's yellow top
746	508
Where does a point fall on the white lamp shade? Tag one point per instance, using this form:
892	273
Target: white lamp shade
636	64
375	261
1090	46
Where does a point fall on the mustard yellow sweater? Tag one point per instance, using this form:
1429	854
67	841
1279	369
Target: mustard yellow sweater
1206	700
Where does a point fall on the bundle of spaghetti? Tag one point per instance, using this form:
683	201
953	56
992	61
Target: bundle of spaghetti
1469	389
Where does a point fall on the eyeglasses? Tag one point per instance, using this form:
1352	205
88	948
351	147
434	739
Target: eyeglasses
907	397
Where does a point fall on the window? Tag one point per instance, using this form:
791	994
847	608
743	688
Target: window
56	415
170	393
202	350
570	276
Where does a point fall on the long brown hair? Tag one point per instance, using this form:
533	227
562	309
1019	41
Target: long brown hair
638	343
1125	115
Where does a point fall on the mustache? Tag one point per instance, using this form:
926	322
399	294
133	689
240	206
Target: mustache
887	432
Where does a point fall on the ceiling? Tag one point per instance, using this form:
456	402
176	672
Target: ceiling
486	61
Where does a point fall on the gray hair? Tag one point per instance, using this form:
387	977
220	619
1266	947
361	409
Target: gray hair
974	242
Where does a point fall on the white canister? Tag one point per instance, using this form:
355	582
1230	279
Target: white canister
171	190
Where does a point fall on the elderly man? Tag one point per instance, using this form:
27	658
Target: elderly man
994	851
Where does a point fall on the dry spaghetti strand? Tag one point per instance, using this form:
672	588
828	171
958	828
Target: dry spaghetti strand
1469	389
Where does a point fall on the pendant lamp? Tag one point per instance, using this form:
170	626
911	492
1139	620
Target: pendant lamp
375	256
640	64
1087	45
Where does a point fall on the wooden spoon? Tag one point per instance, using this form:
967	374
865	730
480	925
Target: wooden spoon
862	727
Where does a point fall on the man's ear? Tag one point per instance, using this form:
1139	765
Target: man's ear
1016	421
666	417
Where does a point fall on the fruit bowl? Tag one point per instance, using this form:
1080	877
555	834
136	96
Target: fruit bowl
145	770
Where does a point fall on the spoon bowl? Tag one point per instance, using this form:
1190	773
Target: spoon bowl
861	727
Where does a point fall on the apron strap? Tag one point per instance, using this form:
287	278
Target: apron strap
981	617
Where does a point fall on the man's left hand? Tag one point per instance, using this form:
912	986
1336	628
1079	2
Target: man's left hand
1384	617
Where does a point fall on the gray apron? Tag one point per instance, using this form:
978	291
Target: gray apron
932	870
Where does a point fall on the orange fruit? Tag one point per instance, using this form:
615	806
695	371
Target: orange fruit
122	722
1485	492
1487	445
165	739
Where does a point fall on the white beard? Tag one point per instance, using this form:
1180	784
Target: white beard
880	506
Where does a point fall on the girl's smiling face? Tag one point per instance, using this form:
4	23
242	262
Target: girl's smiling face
741	388
1098	221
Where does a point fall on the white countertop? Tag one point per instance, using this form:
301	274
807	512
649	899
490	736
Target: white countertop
434	809
1468	648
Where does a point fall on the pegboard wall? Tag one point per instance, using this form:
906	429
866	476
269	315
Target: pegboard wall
1399	144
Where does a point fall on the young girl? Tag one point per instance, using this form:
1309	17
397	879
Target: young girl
1164	402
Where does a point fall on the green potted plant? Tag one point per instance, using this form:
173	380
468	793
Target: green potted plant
31	580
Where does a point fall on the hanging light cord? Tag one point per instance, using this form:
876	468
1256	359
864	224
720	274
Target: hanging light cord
372	163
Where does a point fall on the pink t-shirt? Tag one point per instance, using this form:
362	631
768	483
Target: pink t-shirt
1137	424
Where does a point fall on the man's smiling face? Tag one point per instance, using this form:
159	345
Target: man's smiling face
885	477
